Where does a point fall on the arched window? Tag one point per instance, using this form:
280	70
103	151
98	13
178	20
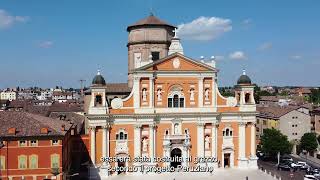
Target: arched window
176	98
98	100
247	98
227	132
121	135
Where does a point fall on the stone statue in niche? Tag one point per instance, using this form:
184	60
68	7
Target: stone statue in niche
207	142
206	95
176	129
144	144
144	94
192	95
159	95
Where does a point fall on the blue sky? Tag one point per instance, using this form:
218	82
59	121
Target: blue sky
48	43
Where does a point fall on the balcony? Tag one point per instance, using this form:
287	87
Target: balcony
121	147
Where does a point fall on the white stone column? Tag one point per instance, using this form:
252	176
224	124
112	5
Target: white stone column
136	92
213	93
242	139
151	141
105	143
93	144
253	139
242	98
200	139
252	101
200	92
105	152
151	92
137	141
214	138
184	156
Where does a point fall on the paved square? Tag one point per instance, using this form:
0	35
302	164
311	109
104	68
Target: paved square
225	174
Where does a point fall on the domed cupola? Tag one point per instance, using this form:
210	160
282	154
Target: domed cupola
244	79
98	80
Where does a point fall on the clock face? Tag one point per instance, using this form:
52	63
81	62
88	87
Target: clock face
176	63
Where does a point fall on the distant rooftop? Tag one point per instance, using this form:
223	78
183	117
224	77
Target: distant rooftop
29	125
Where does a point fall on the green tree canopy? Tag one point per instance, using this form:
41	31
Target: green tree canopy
308	142
273	141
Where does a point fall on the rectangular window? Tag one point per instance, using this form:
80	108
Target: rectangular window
155	55
22	143
55	142
169	102
22	162
181	102
33	162
33	143
2	162
264	122
55	161
258	122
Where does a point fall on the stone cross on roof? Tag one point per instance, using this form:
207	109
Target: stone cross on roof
175	32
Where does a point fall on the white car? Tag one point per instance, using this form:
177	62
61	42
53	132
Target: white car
310	177
303	165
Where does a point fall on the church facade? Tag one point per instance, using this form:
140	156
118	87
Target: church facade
174	110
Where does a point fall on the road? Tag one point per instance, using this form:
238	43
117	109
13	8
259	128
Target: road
285	175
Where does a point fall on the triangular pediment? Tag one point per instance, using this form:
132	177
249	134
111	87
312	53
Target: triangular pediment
176	62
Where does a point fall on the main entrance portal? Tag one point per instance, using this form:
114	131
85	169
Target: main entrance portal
226	160
176	156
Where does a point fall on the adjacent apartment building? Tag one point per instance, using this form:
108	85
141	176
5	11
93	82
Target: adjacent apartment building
291	121
34	147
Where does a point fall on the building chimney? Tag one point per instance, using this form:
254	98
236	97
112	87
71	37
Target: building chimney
12	131
63	127
44	131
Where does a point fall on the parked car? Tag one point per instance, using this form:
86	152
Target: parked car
303	165
286	158
260	154
310	177
284	166
313	171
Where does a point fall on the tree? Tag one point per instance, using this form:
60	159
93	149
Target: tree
273	141
309	142
315	96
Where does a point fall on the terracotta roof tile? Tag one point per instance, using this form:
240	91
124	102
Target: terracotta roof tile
28	124
150	20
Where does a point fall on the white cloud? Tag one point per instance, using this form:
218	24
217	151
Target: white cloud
46	44
204	28
296	57
238	55
7	20
265	46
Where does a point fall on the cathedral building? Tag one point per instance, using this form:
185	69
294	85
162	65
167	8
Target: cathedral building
174	110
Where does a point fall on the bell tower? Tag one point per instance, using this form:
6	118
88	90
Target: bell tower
149	40
244	92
